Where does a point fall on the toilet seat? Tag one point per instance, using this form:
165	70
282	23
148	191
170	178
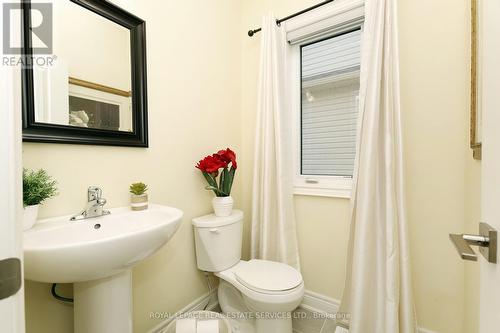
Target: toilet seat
263	277
267	276
254	278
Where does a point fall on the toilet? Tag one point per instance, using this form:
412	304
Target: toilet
257	295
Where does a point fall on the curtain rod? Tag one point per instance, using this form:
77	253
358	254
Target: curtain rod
278	21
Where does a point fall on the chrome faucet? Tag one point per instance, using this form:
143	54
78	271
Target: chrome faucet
94	206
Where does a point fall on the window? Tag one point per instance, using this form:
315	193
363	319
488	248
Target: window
329	89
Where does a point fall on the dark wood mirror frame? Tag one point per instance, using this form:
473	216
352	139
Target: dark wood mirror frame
52	133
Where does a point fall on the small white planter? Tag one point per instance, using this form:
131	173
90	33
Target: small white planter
30	216
139	202
223	206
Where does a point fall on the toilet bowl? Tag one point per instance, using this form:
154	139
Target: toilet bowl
260	294
256	295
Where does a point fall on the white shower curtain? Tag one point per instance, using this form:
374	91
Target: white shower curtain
274	235
378	291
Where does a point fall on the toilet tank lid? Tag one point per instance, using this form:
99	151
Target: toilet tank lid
212	221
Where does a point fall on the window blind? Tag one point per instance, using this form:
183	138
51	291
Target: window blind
330	90
331	19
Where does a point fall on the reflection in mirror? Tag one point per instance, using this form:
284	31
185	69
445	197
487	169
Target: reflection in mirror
89	82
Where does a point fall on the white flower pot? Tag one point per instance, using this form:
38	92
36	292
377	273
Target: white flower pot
223	206
139	202
30	216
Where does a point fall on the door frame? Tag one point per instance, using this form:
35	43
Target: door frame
12	307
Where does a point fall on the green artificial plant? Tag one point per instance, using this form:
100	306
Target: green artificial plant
138	188
38	186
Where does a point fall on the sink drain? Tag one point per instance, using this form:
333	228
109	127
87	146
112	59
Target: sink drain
97	226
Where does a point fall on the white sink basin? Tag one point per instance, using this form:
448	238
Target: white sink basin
97	255
64	251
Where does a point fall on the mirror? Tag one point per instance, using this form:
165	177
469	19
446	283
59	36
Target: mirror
93	89
89	82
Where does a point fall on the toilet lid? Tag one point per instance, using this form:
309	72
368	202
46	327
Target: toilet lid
268	276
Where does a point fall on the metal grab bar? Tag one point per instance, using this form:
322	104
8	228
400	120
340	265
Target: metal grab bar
486	240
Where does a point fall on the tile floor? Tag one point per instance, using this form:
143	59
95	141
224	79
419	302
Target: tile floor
305	321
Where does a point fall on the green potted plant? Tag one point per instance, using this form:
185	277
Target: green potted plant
139	197
38	186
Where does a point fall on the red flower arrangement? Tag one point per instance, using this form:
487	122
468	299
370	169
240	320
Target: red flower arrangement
210	166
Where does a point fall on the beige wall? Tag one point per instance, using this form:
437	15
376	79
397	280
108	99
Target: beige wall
472	219
441	177
434	101
194	109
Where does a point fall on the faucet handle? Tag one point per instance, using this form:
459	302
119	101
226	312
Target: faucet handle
94	193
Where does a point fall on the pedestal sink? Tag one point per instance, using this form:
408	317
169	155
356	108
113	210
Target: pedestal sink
97	256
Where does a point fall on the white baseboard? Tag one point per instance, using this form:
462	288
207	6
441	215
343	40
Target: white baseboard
319	303
423	330
196	305
312	301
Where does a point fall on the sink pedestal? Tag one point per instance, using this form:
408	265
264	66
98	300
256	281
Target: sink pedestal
105	305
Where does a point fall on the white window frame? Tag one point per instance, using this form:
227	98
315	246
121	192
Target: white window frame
328	21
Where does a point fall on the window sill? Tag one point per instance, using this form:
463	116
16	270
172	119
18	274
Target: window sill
323	186
342	193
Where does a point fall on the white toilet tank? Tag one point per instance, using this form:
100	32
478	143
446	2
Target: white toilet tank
218	241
